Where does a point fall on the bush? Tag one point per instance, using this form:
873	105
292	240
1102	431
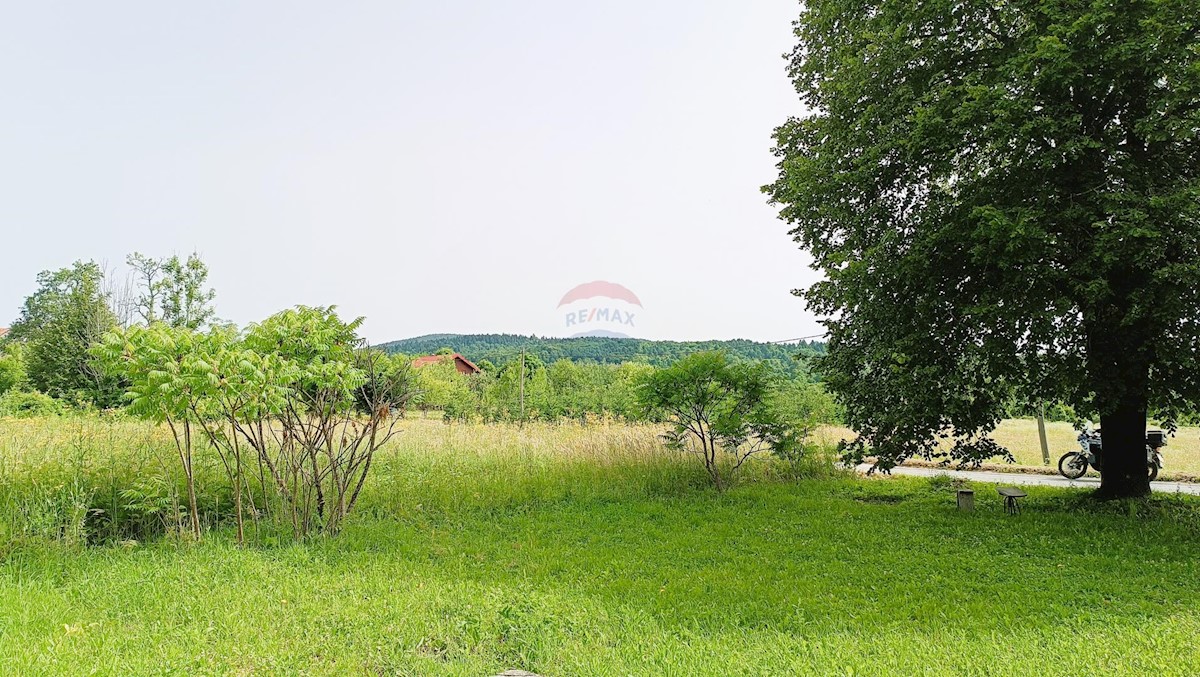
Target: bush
12	366
724	412
29	404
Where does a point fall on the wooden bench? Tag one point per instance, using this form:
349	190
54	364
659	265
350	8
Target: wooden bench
1011	494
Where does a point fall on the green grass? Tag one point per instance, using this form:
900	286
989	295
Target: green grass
584	551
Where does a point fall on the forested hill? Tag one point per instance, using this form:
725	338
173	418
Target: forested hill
500	348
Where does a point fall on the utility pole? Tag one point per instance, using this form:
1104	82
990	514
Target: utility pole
522	388
1041	416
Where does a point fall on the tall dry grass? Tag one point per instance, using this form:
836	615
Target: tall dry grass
102	479
437	466
1020	436
90	479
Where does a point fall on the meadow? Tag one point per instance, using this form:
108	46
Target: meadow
581	550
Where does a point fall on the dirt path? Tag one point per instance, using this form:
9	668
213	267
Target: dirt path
1030	479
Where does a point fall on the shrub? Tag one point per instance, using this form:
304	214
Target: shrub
722	412
295	404
12	366
29	404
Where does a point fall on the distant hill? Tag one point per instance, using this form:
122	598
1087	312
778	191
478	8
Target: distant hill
500	348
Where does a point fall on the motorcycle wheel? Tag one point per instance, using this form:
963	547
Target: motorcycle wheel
1153	471
1072	465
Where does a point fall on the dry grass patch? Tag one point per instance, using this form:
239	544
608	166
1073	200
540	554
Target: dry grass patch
1020	436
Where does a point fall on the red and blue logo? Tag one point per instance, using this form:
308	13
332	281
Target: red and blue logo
600	309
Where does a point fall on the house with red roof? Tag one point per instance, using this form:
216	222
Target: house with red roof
462	364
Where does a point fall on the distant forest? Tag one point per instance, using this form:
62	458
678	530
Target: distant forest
502	348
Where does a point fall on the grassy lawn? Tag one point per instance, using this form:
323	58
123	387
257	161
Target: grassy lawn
579	552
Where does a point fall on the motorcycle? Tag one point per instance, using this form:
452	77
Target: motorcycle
1074	464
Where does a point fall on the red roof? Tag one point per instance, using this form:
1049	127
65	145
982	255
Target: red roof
3	331
434	359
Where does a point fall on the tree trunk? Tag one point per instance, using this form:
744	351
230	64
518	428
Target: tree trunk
1125	471
1121	369
191	480
237	493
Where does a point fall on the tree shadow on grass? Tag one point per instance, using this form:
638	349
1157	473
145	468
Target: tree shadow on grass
831	556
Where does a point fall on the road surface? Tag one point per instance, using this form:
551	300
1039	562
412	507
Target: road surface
1032	479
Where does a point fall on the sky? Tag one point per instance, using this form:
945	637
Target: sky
453	166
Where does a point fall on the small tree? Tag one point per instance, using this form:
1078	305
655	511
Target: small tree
186	300
297	398
154	361
147	274
622	395
333	403
805	407
441	386
391	381
520	394
718	410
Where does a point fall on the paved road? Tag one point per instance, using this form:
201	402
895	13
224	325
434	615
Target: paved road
1038	480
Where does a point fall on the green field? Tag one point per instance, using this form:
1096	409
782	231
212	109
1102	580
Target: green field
1181	455
577	551
1020	436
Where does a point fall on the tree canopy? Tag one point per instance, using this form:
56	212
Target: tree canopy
172	290
58	323
1002	198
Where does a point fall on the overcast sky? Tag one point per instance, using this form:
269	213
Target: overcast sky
448	166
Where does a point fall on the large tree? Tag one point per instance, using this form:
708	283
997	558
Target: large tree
58	323
172	290
1004	198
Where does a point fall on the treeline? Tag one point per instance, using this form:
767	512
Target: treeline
562	390
45	366
792	359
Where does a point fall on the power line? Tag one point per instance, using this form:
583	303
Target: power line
802	338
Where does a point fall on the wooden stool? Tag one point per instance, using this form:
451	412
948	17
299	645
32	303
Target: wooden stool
966	500
1011	494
